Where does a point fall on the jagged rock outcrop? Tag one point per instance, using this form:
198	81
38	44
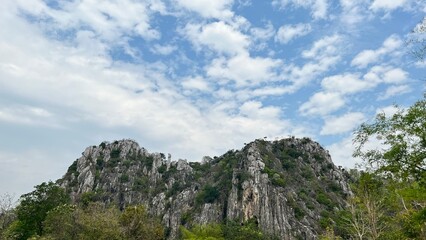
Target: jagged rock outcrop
289	187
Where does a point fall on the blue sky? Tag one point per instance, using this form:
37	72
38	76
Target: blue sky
195	77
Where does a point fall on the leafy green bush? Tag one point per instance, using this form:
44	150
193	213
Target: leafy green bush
124	178
115	153
162	169
208	195
73	167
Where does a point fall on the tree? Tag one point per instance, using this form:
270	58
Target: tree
203	232
417	40
367	209
401	163
62	223
405	135
99	222
33	208
7	214
138	225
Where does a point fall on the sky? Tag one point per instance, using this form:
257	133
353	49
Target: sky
195	78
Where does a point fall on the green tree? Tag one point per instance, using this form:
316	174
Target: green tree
367	209
404	134
99	222
62	223
138	225
33	208
402	165
211	231
7	214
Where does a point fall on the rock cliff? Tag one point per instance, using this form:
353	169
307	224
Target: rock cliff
289	187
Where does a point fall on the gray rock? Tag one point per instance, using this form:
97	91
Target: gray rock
283	185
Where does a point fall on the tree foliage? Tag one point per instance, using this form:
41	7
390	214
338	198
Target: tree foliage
7	214
389	202
33	209
417	40
230	230
138	225
404	134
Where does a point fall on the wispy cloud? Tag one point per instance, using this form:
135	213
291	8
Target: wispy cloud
288	32
367	57
319	8
342	124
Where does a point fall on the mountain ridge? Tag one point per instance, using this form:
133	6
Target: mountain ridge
290	186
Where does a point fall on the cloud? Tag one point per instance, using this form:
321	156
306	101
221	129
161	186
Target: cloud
367	57
324	47
387	5
110	20
91	88
219	9
388	110
163	49
244	70
336	88
394	91
319	8
341	153
263	33
254	109
196	83
386	74
345	84
288	32
218	36
323	55
342	124
353	12
28	115
322	103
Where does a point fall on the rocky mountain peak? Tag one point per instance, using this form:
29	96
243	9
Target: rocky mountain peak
290	186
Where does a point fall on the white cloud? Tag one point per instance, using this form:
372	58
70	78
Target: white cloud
345	84
324	47
209	9
196	83
388	111
254	109
323	55
110	20
263	33
386	74
90	88
341	153
163	49
319	8
322	103
354	12
387	5
288	32
244	70
28	115
367	57
218	36
394	91
342	124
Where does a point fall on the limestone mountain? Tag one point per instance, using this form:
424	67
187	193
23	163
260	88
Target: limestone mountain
290	187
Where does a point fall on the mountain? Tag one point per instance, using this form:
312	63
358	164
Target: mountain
290	187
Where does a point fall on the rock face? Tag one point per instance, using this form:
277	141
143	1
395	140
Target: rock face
289	187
